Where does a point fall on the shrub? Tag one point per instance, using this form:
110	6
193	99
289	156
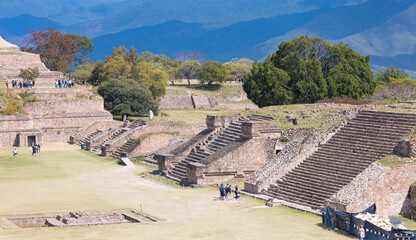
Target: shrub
284	140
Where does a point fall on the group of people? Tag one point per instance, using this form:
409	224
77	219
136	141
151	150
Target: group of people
35	149
225	192
21	84
65	83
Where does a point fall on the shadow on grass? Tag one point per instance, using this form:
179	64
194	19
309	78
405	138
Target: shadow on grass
212	87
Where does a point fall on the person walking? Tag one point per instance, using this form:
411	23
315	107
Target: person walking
361	231
7	84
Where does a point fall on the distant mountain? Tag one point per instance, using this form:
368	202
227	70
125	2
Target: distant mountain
42	8
214	13
19	26
257	38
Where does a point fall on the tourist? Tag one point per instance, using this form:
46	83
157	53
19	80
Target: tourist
227	193
222	192
361	231
15	152
237	192
38	148
33	149
7	84
56	83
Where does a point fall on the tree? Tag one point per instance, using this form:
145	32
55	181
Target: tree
29	74
96	77
127	96
84	72
268	85
174	75
239	67
56	50
316	70
189	69
383	77
115	67
212	72
85	47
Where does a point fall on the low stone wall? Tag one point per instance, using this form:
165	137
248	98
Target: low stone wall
54	107
390	192
260	130
70	119
12	123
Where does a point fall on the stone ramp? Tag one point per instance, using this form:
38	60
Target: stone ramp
201	102
127	162
365	139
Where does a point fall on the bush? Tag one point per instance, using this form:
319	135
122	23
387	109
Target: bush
127	96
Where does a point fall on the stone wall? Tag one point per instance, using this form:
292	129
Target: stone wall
58	134
214	121
201	102
260	130
406	149
235	162
70	119
176	102
93	127
54	107
390	192
12	123
11	63
153	143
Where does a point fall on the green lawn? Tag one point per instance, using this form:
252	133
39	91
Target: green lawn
63	178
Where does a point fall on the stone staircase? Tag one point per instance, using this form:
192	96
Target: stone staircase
365	139
86	139
127	147
206	148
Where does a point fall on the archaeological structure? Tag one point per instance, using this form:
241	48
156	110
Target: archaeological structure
337	165
12	60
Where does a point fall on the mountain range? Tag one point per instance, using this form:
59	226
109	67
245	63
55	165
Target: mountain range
221	30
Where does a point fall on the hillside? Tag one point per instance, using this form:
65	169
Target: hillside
21	25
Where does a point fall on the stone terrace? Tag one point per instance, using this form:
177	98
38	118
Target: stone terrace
364	140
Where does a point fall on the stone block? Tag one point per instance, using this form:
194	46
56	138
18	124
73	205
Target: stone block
214	121
201	102
260	130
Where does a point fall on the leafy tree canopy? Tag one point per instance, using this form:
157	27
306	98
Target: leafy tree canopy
382	77
127	96
29	74
84	72
315	70
85	47
212	72
56	50
189	69
238	67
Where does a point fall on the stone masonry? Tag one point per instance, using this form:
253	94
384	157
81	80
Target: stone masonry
12	60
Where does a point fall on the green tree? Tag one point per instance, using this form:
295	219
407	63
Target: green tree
29	74
84	45
189	69
318	70
382	77
238	67
268	85
115	67
212	72
96	77
127	96
83	72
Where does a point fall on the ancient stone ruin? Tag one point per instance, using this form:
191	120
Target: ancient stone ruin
54	117
85	218
12	60
338	167
230	148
